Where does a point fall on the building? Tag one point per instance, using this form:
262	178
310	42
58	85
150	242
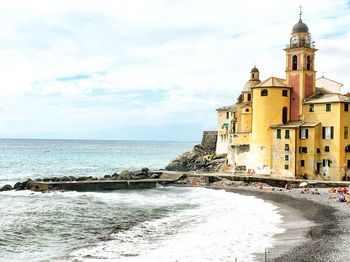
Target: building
296	126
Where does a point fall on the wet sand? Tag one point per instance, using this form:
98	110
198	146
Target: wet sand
317	228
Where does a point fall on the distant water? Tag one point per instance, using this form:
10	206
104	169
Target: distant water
20	159
160	224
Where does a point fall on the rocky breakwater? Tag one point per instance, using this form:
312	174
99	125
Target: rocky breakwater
125	175
199	159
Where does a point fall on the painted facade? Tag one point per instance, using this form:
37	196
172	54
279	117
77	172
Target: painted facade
297	126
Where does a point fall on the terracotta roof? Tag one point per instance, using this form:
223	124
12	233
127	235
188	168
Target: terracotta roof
273	82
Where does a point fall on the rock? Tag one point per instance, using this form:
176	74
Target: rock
145	170
6	188
26	184
125	175
138	176
115	176
72	178
81	178
64	179
38	180
17	186
155	176
109	176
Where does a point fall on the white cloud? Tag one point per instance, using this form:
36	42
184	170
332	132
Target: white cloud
67	66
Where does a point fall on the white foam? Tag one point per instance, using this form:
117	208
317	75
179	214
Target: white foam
221	227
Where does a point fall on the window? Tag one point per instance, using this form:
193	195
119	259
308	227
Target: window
264	92
284	92
286	147
347	149
326	162
302	162
247	110
279	133
286	167
304	133
326	148
318	150
311	108
284	115
346	107
308	63
286	157
302	149
346	132
227	115
327	132
286	134
249	97
328	107
295	62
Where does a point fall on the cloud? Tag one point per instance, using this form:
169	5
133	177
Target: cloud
134	69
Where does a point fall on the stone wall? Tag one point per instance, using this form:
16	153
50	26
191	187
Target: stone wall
209	139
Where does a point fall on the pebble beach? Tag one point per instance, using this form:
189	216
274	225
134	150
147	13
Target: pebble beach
317	225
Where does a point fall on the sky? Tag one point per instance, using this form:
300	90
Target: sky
148	69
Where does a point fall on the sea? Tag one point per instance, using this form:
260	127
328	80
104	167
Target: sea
160	224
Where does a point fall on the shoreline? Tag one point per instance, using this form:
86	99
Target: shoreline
316	227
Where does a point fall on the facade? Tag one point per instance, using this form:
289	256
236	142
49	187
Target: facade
297	126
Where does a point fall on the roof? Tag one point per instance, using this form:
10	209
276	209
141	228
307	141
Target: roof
250	83
300	27
231	108
319	98
254	70
273	82
297	124
328	84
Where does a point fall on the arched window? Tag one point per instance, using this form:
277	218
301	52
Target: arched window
264	92
247	110
253	75
284	115
249	97
308	63
295	62
347	149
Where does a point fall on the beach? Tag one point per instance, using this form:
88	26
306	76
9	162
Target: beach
317	227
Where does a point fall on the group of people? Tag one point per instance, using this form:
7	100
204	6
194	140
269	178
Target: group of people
340	194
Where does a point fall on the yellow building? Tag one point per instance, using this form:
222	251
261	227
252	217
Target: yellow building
297	126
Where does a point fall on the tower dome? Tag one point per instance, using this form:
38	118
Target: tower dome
300	27
253	81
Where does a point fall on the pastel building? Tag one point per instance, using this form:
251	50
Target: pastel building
296	126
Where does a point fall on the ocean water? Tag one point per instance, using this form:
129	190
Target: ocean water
160	224
26	158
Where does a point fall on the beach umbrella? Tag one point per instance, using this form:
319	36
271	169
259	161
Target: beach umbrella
302	184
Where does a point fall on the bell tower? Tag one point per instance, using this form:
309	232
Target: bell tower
300	68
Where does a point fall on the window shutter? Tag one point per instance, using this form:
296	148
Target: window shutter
324	162
300	133
307	133
332	132
323	132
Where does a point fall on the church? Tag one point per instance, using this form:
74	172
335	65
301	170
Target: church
294	127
